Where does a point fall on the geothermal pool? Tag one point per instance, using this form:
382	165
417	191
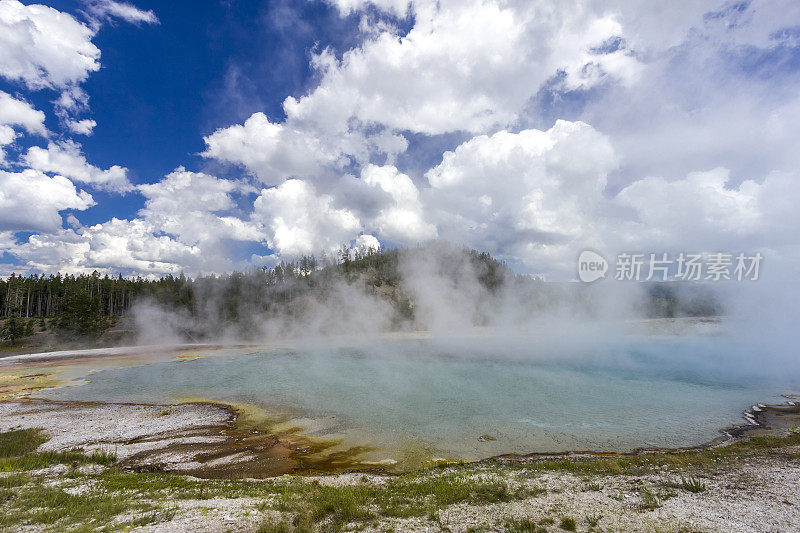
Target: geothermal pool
443	395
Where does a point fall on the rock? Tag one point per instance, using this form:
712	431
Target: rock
92	469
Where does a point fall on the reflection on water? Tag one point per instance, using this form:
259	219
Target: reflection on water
528	395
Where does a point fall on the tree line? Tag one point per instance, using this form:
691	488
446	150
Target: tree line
86	305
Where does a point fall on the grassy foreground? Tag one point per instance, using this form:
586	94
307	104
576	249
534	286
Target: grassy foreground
76	499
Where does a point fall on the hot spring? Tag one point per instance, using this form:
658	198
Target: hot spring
474	397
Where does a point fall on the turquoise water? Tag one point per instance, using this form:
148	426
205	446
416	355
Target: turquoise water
529	395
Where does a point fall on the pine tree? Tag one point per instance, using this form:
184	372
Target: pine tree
13	329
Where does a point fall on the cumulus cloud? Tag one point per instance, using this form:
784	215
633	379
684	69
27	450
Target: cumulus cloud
65	158
298	220
529	195
81	127
271	151
717	88
43	47
398	7
16	112
680	134
463	66
189	205
401	219
7	136
131	245
481	62
19	114
127	246
32	201
70	103
540	197
704	211
182	226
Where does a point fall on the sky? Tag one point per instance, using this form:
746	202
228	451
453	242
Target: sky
154	138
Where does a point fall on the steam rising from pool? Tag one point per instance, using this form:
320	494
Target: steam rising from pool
443	394
538	367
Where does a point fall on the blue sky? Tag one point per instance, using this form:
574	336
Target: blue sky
237	134
162	86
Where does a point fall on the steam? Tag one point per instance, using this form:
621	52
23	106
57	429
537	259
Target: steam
442	289
468	306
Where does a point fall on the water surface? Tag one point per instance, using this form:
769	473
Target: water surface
527	394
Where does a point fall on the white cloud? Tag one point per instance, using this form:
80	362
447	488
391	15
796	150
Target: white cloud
31	200
14	112
704	212
690	208
43	47
528	196
112	247
465	66
104	9
72	99
189	205
184	225
81	127
271	151
131	245
717	88
7	136
299	221
17	113
65	158
402	219
366	243
540	197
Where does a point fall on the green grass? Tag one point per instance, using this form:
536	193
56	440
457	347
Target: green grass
274	526
35	504
401	498
27	501
21	441
309	505
568	524
649	501
692	484
648	462
34	461
594	519
18	453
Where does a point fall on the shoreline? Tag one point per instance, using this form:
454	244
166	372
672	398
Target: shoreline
221	445
743	485
201	466
253	435
239	446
